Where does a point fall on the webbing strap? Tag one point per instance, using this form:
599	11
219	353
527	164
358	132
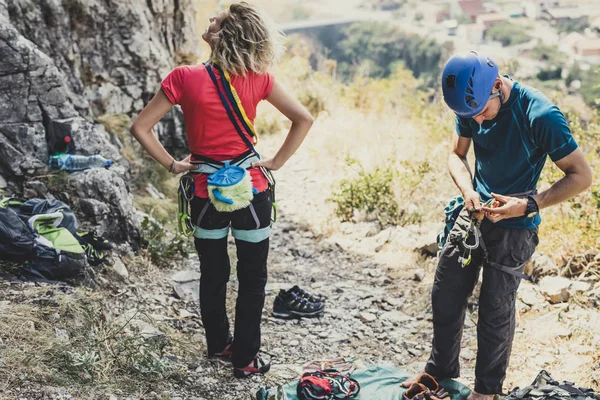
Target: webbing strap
228	108
238	108
201	233
504	268
252	235
204	167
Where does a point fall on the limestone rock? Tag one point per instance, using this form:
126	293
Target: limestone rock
555	288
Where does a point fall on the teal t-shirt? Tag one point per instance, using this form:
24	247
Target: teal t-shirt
511	149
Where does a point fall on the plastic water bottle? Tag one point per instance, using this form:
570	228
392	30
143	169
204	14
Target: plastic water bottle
76	162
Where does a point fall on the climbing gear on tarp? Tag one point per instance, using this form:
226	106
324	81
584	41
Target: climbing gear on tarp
377	382
327	384
544	387
185	194
346	365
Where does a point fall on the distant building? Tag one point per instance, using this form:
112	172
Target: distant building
534	9
468	8
472	33
564	14
588	50
489	20
567	43
595	23
432	13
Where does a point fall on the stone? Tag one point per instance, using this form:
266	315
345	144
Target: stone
366	317
397	317
293	343
61	335
154	192
120	270
186	284
186	314
529	295
430	249
38	189
415	352
467	354
3	183
145	329
541	264
555	288
579	286
419	275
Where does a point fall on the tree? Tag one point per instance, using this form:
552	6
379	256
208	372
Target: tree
508	33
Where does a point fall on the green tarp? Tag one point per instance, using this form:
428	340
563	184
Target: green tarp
378	382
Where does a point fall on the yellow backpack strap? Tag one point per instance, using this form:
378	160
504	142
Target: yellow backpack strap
234	97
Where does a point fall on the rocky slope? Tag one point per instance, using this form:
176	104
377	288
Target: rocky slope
65	63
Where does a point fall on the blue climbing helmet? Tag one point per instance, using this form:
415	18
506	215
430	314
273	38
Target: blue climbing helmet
467	82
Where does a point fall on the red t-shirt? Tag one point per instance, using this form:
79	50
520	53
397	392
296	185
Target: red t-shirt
209	130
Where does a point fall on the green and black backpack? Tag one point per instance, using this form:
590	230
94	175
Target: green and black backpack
37	233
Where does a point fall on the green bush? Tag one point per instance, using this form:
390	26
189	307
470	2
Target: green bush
549	74
378	192
161	250
384	45
508	33
590	87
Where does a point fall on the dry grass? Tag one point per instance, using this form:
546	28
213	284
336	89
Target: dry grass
80	341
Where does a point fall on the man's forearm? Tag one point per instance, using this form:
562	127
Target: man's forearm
460	173
567	187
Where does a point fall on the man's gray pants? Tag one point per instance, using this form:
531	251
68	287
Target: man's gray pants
496	323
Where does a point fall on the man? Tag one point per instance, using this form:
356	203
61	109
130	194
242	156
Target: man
513	128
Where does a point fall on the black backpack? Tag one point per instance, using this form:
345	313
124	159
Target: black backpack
40	239
544	387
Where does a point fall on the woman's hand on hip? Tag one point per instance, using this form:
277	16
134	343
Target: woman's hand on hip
269	163
182	166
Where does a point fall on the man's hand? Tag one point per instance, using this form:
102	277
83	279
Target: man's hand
473	204
509	207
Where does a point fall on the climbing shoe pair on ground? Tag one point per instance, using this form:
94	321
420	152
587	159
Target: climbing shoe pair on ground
297	303
256	366
425	388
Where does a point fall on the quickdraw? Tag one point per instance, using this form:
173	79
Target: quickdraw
327	385
474	231
185	194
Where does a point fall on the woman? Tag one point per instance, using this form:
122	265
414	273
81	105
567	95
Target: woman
243	45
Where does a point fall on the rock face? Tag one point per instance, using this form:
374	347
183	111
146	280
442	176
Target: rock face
63	64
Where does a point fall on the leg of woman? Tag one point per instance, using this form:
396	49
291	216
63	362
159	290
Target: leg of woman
251	229
211	245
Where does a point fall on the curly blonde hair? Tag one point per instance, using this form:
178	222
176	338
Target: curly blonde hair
246	41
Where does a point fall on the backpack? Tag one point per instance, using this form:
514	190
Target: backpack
41	241
544	387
